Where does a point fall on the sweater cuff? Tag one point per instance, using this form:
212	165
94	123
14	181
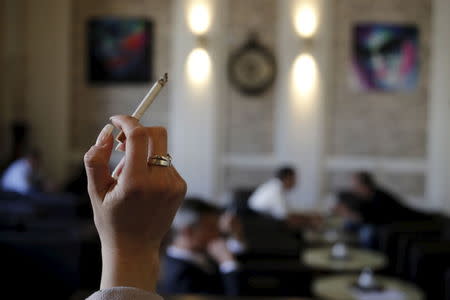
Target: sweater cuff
124	293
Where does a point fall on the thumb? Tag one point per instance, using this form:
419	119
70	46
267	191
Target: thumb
96	161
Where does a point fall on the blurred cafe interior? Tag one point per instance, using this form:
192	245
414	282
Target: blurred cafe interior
313	136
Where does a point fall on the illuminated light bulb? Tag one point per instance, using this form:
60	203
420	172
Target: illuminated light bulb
304	73
198	65
199	19
306	21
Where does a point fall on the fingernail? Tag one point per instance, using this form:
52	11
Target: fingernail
104	134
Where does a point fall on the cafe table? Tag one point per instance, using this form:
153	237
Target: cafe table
357	259
342	287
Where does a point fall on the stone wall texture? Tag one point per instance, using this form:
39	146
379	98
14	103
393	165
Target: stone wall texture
374	123
92	105
249	120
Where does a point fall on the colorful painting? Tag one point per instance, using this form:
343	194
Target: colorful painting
385	57
119	50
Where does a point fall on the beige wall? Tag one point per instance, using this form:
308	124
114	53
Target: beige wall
383	132
46	83
376	123
13	61
3	61
92	105
249	120
46	88
364	130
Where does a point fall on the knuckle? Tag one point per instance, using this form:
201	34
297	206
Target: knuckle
137	133
179	188
157	134
90	157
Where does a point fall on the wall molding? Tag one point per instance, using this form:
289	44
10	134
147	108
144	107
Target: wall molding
412	165
250	161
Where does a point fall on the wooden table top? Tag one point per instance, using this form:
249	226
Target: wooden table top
339	287
358	259
329	236
213	297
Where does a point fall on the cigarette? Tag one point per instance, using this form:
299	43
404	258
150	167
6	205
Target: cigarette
144	105
139	112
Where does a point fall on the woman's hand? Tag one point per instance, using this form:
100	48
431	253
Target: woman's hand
133	213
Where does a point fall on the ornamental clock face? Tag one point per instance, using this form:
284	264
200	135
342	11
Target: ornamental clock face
252	68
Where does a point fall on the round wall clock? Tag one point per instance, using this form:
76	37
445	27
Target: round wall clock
252	68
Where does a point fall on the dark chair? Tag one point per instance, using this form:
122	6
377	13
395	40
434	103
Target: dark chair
447	285
240	201
39	264
429	263
405	246
275	277
269	238
390	236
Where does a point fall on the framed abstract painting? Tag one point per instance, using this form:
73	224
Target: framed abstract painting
385	57
119	50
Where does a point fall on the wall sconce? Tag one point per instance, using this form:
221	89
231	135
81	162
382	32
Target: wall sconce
304	73
306	21
198	65
199	19
198	62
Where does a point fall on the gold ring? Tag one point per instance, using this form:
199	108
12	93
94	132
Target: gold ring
161	160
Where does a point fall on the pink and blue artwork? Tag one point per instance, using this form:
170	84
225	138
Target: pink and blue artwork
119	50
385	57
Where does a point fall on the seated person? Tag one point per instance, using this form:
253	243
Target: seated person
367	204
23	175
231	226
270	199
373	204
198	260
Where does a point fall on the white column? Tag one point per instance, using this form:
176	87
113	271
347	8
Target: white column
299	118
47	81
438	185
194	125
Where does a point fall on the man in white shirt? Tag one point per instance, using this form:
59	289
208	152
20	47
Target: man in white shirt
22	176
270	197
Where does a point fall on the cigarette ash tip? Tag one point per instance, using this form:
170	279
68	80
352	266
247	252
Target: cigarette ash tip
163	80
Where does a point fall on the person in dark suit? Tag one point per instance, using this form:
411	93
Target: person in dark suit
198	260
367	205
377	201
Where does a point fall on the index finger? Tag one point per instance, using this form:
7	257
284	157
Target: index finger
136	143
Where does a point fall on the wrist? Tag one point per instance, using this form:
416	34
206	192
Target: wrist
228	266
225	258
130	267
